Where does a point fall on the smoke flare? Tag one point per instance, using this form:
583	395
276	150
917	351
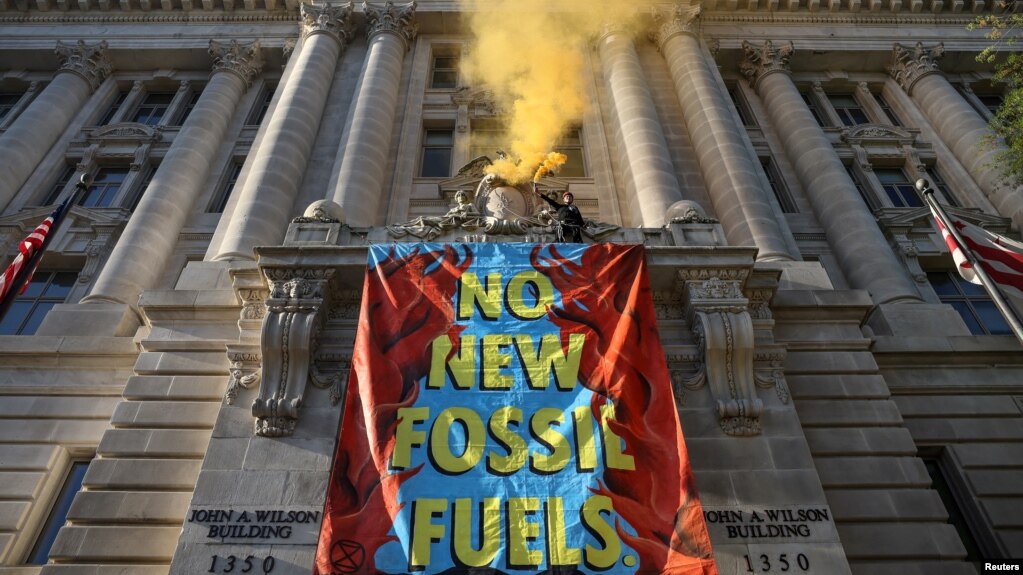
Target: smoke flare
532	57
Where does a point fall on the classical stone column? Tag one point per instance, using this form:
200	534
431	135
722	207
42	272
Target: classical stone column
82	69
264	207
739	199
649	174
141	254
962	129
860	247
363	156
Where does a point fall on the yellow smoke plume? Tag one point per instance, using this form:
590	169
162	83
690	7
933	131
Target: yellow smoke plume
532	54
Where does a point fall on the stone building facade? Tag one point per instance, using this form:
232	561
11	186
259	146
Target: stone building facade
243	154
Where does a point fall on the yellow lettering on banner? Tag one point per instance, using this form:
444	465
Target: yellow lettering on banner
496	358
593	520
614	457
557	546
544	295
541	425
585	442
461	366
490	534
516	446
424	531
521	531
551	357
440	440
473	295
406	437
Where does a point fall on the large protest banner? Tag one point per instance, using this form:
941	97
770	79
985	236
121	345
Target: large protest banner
509	411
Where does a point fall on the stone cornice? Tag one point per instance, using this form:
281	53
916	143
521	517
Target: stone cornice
242	60
910	65
391	19
88	62
681	19
336	22
760	61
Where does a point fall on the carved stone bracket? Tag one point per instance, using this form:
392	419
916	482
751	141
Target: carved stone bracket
242	60
89	62
391	19
244	370
720	320
295	313
335	380
335	21
769	372
909	65
759	61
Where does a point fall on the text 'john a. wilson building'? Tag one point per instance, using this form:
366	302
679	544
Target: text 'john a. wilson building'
173	379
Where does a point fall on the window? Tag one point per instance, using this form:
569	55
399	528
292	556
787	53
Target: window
59	185
848	109
219	201
887	109
942	187
45	290
867	198
141	188
485	141
437	148
58	515
991	101
971	301
744	115
153	108
901	192
956	517
113	109
7	103
262	105
571	144
444	72
193	98
788	205
813	109
105	187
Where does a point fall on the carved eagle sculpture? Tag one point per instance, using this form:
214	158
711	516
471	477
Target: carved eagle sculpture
476	168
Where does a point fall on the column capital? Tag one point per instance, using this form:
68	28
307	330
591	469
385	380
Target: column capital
612	29
391	19
680	19
243	60
909	65
89	62
759	61
334	21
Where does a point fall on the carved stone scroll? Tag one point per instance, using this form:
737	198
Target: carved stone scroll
295	313
719	317
244	370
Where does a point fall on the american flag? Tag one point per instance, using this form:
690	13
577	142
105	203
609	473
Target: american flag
1001	257
29	253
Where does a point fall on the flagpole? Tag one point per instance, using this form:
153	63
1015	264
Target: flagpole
924	187
26	271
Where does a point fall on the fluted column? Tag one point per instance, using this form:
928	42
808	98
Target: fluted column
962	129
82	69
140	256
264	207
650	177
740	201
362	159
865	257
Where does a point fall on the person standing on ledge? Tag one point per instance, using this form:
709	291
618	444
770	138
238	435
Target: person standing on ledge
570	219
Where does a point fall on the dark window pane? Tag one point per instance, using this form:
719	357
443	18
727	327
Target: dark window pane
114	107
153	108
105	186
887	109
58	515
445	62
7	103
445	72
36	286
813	109
59	185
227	188
942	283
991	318
967	314
439	138
16	314
436	163
35	318
61	284
967	287
189	106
